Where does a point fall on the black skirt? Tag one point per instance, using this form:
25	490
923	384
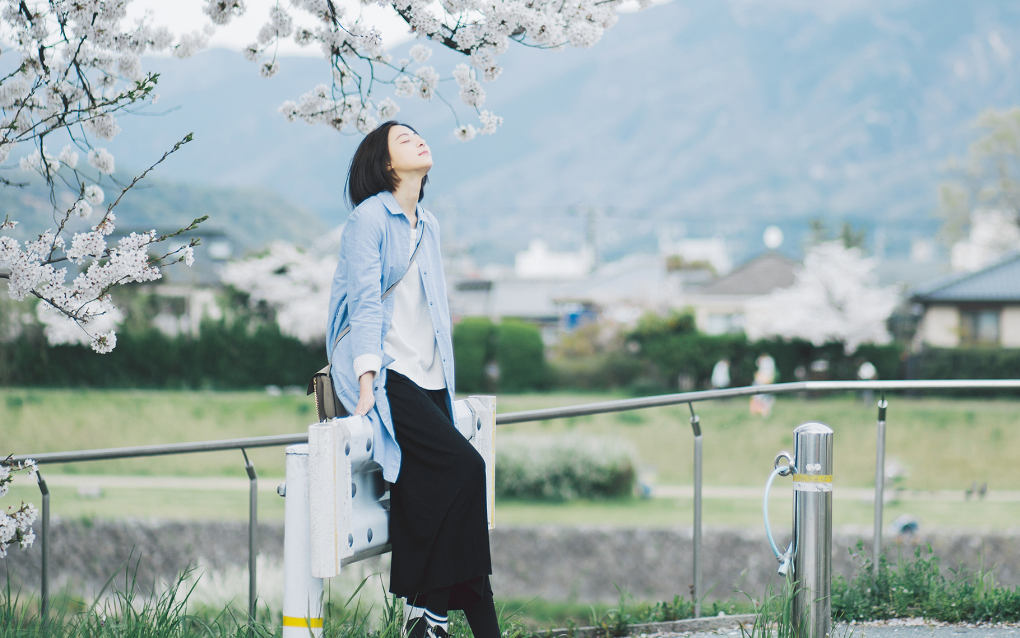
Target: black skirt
439	532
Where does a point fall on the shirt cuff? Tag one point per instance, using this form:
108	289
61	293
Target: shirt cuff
367	363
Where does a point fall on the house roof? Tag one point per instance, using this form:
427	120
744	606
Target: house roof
999	282
759	276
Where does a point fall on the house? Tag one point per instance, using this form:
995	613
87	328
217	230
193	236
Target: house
720	306
619	291
979	308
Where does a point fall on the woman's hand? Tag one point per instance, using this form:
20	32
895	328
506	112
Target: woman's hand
366	398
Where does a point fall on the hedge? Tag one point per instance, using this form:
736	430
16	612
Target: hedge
968	363
223	357
564	468
671	347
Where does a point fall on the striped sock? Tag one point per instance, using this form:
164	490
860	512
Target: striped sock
413	618
438	626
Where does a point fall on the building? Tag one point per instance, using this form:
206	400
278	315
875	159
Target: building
721	305
539	262
979	308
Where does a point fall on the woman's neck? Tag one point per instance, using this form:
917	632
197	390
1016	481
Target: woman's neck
407	196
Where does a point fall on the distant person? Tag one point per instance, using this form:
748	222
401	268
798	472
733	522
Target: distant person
761	404
867	372
721	374
395	366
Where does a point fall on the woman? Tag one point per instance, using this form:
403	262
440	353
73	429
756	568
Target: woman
395	366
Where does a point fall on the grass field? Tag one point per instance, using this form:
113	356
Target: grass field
944	444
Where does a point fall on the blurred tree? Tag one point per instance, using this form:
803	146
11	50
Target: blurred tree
520	354
980	202
850	236
473	349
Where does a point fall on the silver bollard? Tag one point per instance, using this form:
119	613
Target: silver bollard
812	529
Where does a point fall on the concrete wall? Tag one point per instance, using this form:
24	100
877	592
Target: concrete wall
556	563
940	326
1009	327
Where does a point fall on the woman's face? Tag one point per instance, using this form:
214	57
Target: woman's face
408	152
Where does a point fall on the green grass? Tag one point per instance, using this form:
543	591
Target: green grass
943	443
921	586
170	504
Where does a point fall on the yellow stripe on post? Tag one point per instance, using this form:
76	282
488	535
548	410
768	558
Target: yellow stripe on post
310	623
812	478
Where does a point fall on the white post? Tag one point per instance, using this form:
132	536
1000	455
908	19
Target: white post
302	594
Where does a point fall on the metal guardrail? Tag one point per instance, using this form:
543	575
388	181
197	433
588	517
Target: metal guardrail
603	407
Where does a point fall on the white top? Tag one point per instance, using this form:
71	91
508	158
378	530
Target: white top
411	338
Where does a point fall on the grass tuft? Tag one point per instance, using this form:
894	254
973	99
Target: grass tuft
920	586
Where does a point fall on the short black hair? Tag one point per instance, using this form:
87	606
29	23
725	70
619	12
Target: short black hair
370	172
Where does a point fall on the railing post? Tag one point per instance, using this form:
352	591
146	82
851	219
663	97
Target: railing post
302	592
44	534
812	530
879	481
696	588
253	530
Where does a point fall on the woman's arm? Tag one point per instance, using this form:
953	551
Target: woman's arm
366	398
361	243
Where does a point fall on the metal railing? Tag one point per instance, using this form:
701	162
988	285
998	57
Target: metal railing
621	405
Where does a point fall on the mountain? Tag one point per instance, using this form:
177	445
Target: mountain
249	216
704	117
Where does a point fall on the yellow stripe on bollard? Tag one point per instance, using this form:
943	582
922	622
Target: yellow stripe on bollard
294	621
812	478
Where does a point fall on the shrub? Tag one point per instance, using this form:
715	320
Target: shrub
473	349
520	354
596	372
564	468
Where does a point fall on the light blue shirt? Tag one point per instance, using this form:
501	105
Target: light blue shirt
374	254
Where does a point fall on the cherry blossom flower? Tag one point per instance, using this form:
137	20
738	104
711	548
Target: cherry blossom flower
465	133
101	160
94	195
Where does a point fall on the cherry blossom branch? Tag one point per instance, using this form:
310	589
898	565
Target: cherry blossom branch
16	524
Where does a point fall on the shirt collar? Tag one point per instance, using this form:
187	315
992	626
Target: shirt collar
390	202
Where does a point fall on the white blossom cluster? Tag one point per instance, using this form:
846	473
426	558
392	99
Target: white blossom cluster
15	524
78	67
479	29
835	298
76	313
294	283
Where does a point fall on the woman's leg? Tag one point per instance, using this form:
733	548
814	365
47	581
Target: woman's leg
482	618
433	621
